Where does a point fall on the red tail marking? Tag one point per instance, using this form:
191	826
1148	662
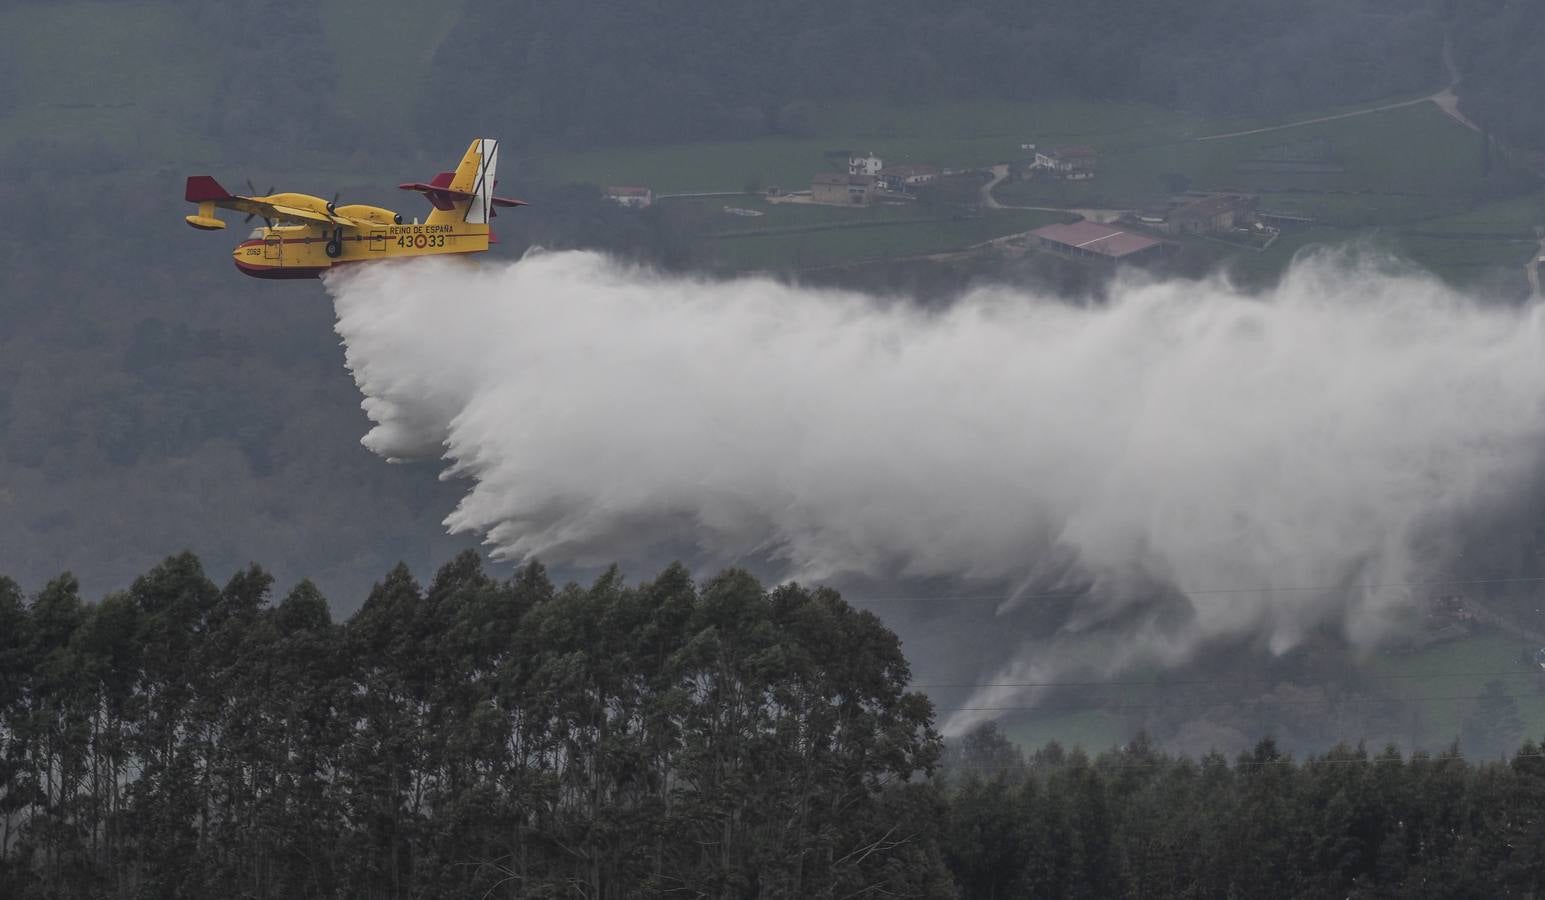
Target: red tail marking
202	189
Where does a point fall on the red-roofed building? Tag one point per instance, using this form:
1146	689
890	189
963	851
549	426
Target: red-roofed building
1091	240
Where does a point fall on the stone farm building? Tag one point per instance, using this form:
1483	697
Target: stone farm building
1209	215
842	189
1101	243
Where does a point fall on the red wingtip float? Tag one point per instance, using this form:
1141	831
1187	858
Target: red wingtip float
303	236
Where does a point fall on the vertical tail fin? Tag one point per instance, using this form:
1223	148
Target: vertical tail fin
467	194
474	176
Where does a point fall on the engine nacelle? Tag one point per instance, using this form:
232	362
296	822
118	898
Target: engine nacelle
373	214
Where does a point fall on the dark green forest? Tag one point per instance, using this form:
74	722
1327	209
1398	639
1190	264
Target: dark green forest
479	737
581	74
668	72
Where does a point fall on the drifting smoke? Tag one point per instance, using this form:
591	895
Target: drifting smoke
1180	436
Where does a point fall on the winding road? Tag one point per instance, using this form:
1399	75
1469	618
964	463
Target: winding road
1446	100
1000	172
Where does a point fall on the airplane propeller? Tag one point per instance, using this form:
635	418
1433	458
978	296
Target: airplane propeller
253	188
332	205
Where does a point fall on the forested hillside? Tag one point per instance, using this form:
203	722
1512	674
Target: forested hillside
575	75
490	738
730	69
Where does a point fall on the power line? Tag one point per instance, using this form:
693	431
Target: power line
1030	766
1302	701
1203	592
1163	682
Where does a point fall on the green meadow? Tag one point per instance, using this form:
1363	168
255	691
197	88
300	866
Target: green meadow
870	240
1446	678
952	135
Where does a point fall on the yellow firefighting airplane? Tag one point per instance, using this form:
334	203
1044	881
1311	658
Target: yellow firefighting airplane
303	236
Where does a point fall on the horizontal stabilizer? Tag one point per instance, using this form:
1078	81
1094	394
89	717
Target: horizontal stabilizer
441	197
467	193
446	198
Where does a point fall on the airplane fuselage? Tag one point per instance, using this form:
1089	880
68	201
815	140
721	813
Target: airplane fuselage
307	250
304	236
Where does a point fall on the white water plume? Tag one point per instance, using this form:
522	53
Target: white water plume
1182	433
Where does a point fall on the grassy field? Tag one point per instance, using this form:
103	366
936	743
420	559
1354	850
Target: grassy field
1448	675
1142	150
1515	217
955	135
1375	173
1489	264
711	218
874	239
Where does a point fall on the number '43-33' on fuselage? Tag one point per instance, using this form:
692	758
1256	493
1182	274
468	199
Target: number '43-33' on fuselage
303	236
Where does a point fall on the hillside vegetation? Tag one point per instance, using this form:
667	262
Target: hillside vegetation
151	399
485	738
179	79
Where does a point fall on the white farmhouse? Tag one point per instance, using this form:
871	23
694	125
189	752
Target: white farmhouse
864	164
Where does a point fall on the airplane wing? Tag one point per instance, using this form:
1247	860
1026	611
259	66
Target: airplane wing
203	189
278	211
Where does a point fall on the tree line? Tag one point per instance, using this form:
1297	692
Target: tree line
475	738
479	737
1137	822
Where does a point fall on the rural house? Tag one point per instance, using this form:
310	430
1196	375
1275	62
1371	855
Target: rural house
1208	215
864	164
839	189
1075	163
908	178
